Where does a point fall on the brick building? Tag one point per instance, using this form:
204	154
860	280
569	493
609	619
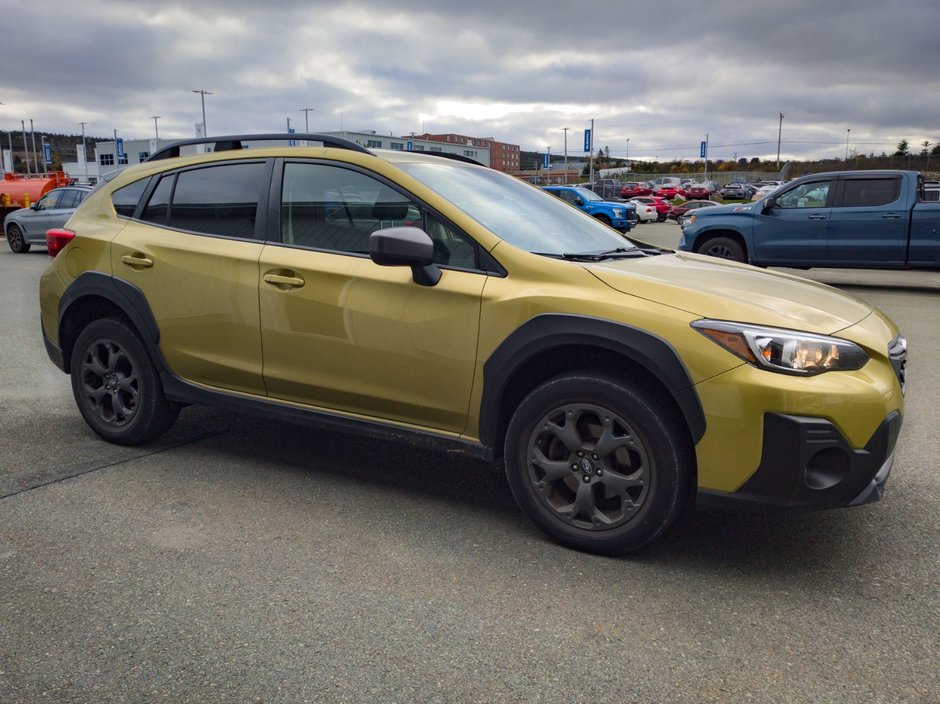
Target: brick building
503	157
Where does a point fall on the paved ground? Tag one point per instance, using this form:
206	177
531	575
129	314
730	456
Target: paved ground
240	561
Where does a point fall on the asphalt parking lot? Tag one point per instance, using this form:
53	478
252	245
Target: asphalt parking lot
238	560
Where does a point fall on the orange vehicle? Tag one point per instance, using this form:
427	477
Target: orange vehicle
19	191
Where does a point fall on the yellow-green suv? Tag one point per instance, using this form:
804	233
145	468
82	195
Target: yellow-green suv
415	296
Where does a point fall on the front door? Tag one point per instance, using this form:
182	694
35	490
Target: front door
340	332
795	230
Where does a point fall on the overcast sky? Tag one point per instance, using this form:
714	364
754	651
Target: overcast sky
657	73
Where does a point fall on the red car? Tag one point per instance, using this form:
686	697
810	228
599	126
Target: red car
668	192
662	206
698	191
632	189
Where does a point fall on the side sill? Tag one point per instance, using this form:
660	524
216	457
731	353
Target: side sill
184	392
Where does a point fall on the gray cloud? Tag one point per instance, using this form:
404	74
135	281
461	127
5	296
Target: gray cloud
657	74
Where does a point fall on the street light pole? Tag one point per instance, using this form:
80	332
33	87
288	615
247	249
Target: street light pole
779	134
203	94
306	112
84	155
565	130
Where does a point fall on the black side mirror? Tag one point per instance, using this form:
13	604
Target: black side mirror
769	202
406	246
579	201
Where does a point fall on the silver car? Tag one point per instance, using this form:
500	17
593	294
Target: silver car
27	226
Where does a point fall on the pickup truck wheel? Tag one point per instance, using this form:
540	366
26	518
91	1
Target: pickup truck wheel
16	240
116	387
604	219
723	248
596	463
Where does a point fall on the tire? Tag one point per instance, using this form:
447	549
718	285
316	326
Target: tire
604	219
723	248
116	386
602	490
661	218
16	239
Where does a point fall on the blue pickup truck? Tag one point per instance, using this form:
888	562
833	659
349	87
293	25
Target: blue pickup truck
620	216
861	219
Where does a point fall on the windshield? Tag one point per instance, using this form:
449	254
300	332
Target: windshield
522	215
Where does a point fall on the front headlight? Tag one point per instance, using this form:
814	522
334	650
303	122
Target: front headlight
618	212
784	351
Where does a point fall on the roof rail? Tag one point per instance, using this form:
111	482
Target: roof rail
452	156
234	142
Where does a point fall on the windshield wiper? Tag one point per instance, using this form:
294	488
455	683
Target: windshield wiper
619	253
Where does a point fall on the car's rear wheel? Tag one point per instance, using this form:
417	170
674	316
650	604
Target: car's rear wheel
16	239
723	248
116	386
598	464
661	217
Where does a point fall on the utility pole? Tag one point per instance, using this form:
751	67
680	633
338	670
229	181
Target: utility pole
156	129
779	135
847	147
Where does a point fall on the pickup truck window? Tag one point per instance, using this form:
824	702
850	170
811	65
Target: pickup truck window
869	192
812	194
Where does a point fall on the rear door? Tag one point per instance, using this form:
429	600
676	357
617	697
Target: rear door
868	224
192	247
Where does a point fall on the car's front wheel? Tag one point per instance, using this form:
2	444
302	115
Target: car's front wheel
598	464
724	248
16	239
116	386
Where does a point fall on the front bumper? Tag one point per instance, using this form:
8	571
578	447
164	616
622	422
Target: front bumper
807	464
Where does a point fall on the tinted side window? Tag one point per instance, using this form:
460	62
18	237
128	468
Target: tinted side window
218	200
870	192
49	201
806	195
70	199
329	207
125	199
158	207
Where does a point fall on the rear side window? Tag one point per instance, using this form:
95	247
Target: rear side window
870	192
218	200
125	199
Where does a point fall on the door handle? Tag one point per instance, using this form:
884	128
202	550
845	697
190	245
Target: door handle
817	217
138	261
890	216
282	281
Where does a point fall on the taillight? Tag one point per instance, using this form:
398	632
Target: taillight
57	238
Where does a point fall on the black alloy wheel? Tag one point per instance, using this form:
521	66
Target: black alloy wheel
116	386
597	464
16	239
723	248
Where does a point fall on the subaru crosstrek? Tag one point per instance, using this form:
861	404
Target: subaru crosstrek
418	297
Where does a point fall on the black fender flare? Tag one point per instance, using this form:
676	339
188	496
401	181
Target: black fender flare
545	332
125	296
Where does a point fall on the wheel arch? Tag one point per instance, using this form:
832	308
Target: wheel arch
551	344
702	240
93	296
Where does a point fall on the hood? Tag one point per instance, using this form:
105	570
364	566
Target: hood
724	290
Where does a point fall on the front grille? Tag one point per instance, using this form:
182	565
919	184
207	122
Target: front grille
898	353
